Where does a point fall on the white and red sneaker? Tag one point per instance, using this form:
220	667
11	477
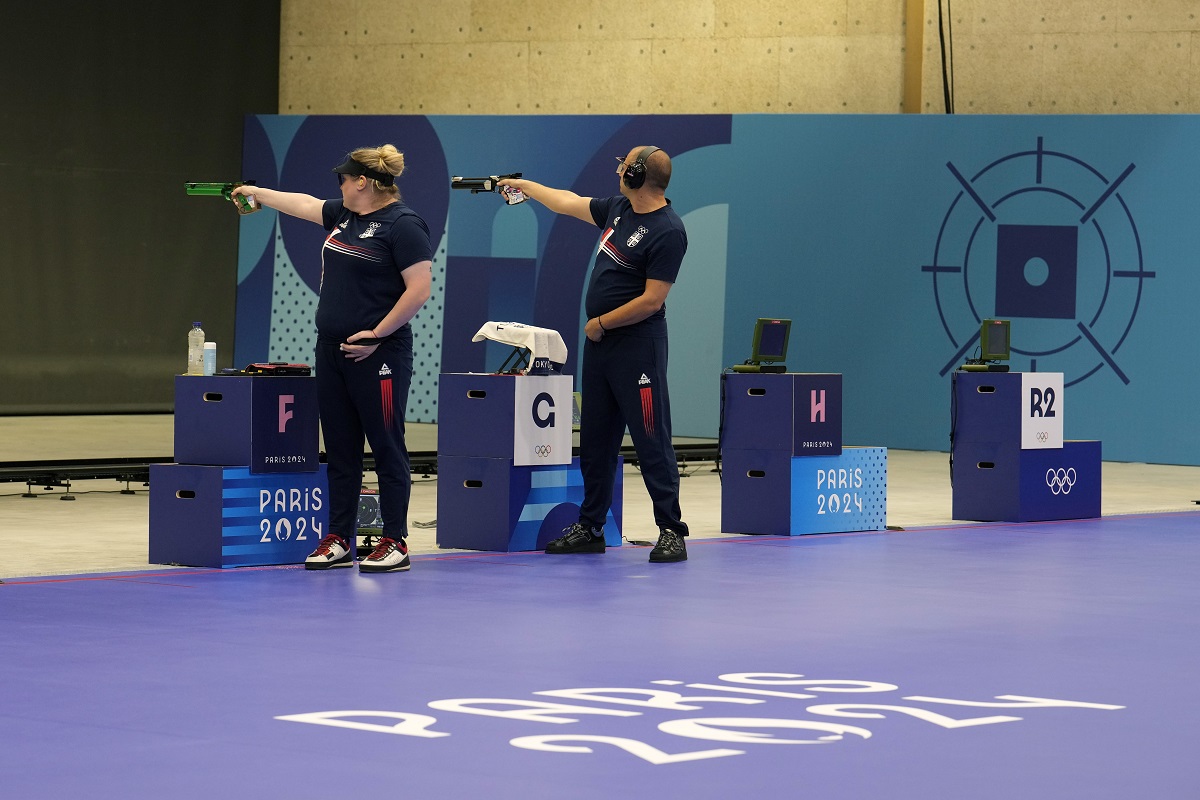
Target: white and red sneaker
332	552
388	556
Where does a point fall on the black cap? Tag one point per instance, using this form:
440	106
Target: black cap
352	167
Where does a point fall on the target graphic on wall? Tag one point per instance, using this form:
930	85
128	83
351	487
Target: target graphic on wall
1048	241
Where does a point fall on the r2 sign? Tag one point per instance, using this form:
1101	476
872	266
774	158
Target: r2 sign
1041	410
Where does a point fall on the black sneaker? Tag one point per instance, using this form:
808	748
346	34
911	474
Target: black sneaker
578	538
388	556
332	552
670	547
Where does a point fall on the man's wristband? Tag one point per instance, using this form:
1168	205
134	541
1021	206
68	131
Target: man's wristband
601	324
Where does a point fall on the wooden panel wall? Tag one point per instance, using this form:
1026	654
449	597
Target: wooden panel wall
735	56
601	57
1069	57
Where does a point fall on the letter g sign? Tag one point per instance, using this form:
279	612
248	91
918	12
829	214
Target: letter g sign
548	420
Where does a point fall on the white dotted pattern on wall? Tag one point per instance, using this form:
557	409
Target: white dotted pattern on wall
874	464
293	311
427	344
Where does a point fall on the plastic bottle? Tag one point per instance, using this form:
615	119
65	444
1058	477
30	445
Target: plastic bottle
210	358
195	364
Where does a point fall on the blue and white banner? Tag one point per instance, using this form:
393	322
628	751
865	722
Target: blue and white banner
885	239
846	492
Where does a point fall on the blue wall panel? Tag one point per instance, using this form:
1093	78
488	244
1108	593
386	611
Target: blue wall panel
884	238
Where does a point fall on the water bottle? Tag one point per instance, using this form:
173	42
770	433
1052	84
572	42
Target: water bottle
195	350
210	358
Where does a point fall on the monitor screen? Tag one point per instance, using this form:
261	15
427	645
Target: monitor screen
771	339
993	340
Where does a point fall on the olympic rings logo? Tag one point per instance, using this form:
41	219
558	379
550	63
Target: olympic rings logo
542	450
1042	436
1060	480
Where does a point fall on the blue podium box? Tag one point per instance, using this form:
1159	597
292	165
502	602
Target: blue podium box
987	407
204	516
268	423
490	504
997	482
526	418
1017	409
799	414
475	413
771	492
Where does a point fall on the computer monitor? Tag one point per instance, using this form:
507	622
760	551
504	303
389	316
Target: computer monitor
770	340
993	340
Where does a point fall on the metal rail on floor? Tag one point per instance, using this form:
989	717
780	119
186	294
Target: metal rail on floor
61	473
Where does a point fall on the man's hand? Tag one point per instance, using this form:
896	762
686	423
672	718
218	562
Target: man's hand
560	201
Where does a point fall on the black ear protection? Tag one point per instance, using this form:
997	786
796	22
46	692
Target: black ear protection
635	173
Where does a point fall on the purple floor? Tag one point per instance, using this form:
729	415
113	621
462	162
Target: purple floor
836	666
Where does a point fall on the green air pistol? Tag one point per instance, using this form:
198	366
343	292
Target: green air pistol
244	204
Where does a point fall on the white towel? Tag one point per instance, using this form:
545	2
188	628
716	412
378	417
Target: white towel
540	342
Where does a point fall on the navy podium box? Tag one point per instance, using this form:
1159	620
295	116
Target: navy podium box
489	504
1024	409
995	482
526	418
996	479
268	423
784	471
202	516
796	413
248	488
477	412
506	477
777	494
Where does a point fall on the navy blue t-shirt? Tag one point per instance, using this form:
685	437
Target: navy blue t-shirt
361	262
633	248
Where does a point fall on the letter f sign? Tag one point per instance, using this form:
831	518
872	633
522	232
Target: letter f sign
285	400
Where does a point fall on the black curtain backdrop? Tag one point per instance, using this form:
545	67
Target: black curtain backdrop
106	110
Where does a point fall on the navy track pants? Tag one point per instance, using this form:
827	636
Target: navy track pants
368	398
625	385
